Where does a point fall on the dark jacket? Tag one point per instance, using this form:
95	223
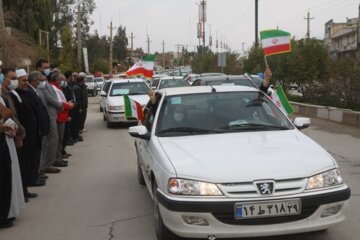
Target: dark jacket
40	110
79	96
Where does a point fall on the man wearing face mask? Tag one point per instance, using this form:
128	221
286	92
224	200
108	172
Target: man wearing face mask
11	83
43	66
50	142
32	141
38	104
58	80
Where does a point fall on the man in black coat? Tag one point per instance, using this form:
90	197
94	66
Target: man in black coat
70	97
32	141
78	109
38	106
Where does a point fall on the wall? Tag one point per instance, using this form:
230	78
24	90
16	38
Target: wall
343	116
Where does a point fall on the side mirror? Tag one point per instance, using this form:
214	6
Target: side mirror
301	123
103	94
139	132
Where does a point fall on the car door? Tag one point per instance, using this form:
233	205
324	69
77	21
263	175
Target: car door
144	147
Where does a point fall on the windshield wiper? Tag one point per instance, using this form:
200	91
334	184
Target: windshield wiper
246	126
189	130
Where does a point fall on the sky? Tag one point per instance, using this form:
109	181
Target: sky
174	21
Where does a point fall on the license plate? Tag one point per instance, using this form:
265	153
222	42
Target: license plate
267	209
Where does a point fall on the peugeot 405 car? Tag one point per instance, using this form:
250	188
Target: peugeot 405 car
226	162
114	106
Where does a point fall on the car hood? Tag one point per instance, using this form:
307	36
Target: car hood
119	100
243	157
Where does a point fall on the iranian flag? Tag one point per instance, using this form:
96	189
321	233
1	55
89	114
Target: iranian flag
144	67
280	99
275	42
133	109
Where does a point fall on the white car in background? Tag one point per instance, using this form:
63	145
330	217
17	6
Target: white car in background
114	108
99	83
225	162
91	85
103	93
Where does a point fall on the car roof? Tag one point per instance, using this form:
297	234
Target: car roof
205	89
171	77
125	80
222	78
211	74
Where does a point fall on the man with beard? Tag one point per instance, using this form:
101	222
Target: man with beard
32	141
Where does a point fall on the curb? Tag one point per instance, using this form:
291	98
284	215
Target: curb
342	116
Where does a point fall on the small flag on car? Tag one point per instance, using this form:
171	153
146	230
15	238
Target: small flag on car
133	109
280	99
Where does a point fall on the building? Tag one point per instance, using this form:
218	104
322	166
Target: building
341	38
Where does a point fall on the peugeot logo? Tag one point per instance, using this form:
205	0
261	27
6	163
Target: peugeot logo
265	188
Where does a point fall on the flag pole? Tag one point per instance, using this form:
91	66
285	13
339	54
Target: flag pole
266	62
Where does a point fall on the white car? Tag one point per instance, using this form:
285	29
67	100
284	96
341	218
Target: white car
225	162
99	81
91	85
114	109
103	93
170	82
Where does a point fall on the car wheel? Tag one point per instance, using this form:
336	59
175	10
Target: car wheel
162	232
141	179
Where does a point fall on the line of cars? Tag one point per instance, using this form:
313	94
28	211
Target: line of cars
221	160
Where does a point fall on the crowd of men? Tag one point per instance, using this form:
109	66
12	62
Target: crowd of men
40	114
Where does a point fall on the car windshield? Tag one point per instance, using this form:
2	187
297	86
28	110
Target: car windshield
237	82
106	86
89	79
219	113
155	82
129	88
172	83
99	79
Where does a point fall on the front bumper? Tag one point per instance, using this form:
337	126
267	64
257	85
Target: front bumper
115	117
222	223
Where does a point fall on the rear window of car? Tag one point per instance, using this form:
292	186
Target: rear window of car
239	82
171	83
129	88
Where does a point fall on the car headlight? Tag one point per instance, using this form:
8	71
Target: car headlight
193	188
116	108
326	179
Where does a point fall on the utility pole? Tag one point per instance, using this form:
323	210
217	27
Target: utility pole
308	19
111	47
2	21
256	23
79	39
132	47
163	55
178	53
204	20
148	44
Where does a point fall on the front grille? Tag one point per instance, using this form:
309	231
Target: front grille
282	187
229	218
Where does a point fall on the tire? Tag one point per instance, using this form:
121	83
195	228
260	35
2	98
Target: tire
141	179
162	232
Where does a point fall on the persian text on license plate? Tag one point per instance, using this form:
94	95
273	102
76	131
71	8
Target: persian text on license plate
268	209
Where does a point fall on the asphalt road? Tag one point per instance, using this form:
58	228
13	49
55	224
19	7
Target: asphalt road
98	198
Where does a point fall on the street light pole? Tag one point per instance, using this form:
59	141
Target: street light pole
256	23
79	38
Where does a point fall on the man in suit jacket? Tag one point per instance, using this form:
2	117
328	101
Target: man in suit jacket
50	142
43	120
